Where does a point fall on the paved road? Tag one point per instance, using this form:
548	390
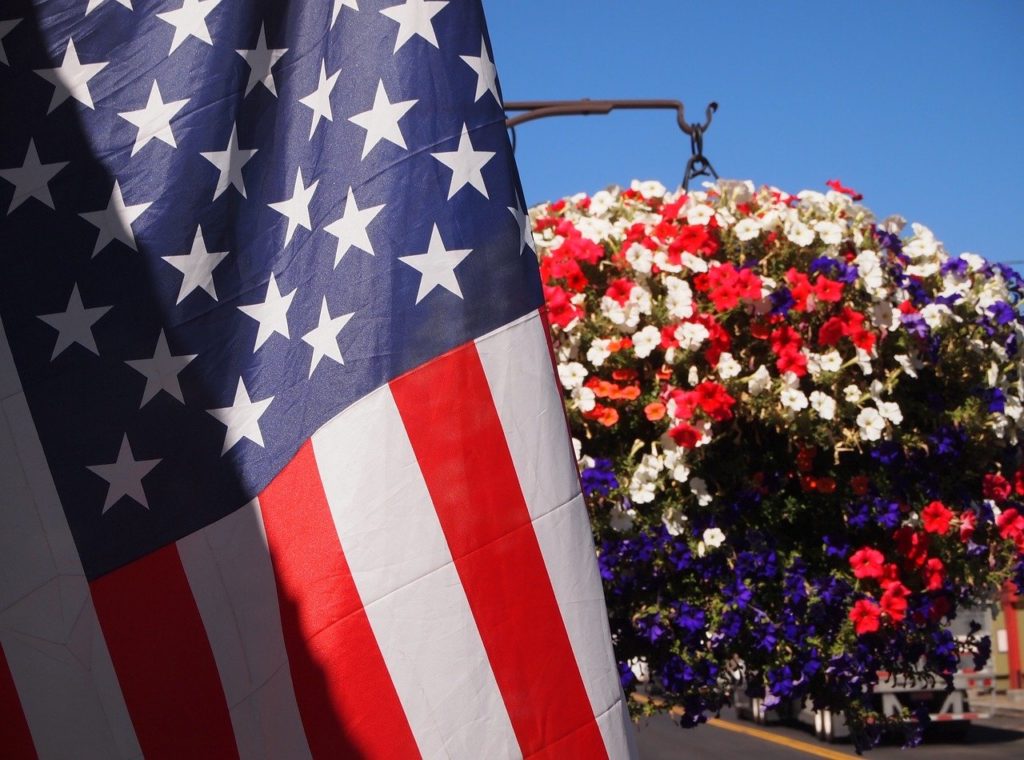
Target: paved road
732	739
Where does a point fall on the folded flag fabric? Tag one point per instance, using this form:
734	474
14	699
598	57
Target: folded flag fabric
284	466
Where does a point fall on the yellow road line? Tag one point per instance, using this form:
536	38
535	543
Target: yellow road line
810	749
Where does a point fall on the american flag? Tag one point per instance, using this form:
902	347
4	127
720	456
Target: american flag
284	467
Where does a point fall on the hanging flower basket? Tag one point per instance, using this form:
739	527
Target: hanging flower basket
798	434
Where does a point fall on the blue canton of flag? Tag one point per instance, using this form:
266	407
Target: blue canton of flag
246	228
279	414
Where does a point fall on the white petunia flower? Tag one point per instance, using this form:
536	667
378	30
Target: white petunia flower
690	335
909	364
891	411
640	670
648	188
793	398
884	316
823	404
974	261
675	464
571	375
584	399
871	424
640	258
700	214
727	366
790	380
621	519
829	232
759	381
747	229
673	519
699	488
679	298
831	361
600	202
598	351
577	447
713	537
937	315
645	341
852	394
662	261
799	233
864	362
693	263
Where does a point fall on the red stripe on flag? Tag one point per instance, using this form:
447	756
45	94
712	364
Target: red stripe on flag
347	700
450	418
163	659
15	738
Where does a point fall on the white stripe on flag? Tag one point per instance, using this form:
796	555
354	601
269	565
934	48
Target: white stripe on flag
517	362
232	579
48	625
402	567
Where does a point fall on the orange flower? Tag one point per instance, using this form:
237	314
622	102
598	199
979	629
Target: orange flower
629	393
654	411
606	415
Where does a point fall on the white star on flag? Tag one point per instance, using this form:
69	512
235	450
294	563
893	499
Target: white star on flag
381	121
125	476
466	165
525	229
242	418
74	324
324	337
261	60
71	78
190	21
32	178
296	208
7	25
154	121
320	99
197	267
115	221
161	371
436	266
486	74
351	228
94	4
229	163
338	5
414	17
272	313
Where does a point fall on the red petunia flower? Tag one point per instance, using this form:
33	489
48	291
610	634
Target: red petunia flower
619	290
968	523
894	601
685	435
831	332
840	188
867	563
561	311
911	545
934	574
936	518
866	616
1010	524
830	291
994	486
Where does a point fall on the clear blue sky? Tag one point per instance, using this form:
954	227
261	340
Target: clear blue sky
917	104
